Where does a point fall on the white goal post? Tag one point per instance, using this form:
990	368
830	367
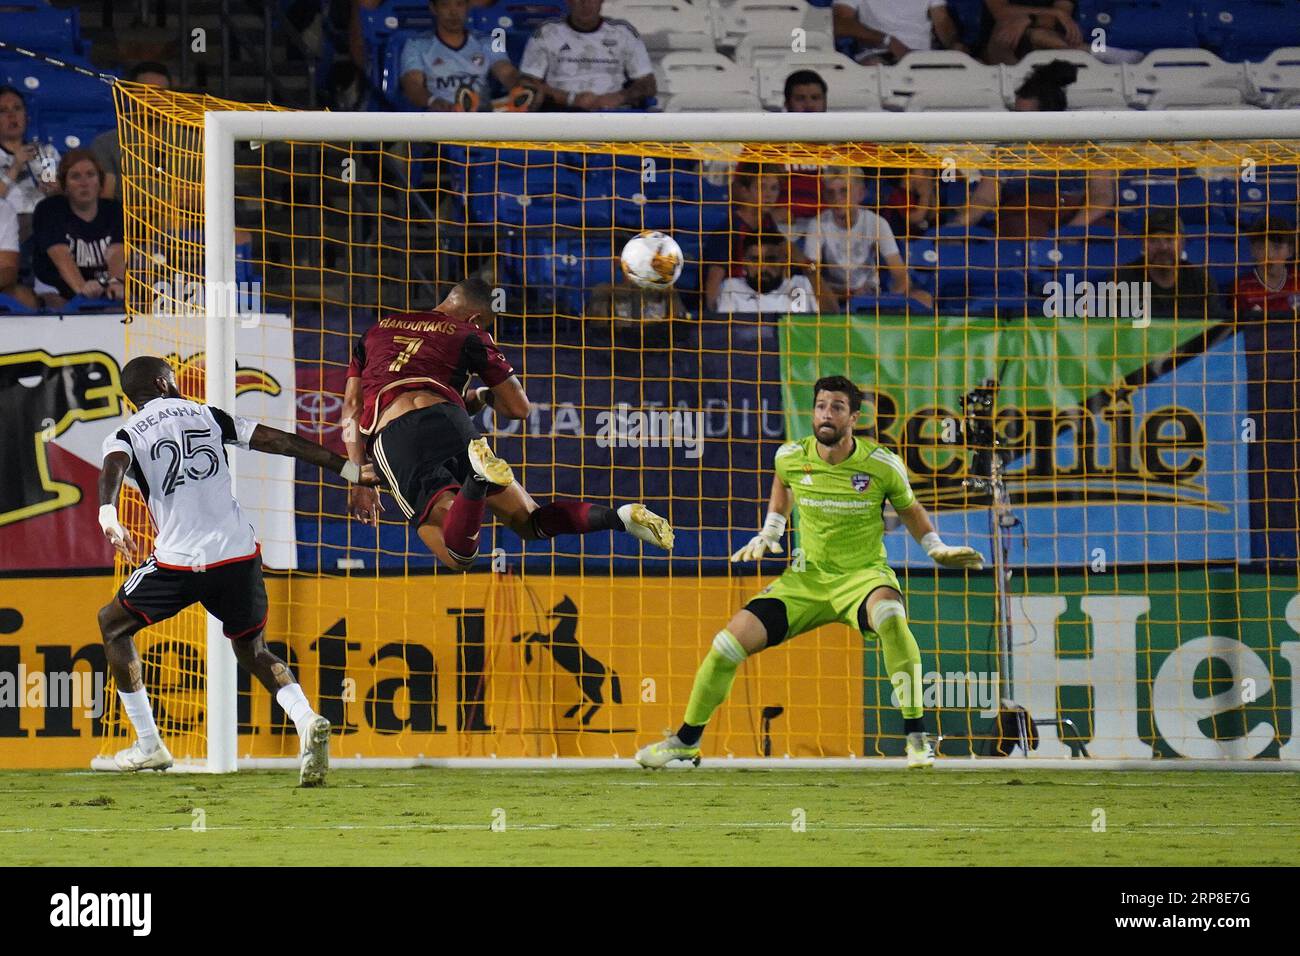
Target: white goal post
223	130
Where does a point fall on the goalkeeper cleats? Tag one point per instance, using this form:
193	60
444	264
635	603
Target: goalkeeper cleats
487	465
644	524
133	759
667	751
315	754
920	752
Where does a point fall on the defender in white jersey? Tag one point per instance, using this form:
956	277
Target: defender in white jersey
205	550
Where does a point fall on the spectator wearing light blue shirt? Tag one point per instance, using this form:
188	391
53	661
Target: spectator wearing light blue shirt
438	65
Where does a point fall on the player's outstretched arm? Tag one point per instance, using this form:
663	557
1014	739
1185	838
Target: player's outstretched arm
363	502
768	540
918	523
507	399
273	441
110	486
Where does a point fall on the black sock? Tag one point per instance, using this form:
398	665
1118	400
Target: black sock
689	734
913	725
475	488
604	519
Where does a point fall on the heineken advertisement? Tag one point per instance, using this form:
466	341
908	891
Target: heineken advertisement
1132	665
1121	445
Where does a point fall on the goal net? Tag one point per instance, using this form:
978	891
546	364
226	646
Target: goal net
1114	444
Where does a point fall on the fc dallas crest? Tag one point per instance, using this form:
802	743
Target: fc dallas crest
861	482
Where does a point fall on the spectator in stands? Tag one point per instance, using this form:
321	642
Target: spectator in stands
633	308
800	200
106	146
27	168
850	243
586	62
448	67
1038	204
78	236
767	284
9	249
1009	30
754	200
911	206
885	31
1268	321
1178	290
1272	287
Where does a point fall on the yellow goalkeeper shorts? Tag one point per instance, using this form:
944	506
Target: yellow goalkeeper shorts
812	599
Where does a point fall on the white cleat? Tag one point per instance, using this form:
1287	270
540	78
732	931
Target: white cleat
487	465
920	752
133	759
643	523
669	751
315	754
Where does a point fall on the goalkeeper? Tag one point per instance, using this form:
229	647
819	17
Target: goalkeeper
840	484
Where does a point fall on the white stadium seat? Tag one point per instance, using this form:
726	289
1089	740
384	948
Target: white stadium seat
689	71
745	17
849	85
712	101
757	47
1275	82
671	40
661	16
1099	86
1184	79
941	80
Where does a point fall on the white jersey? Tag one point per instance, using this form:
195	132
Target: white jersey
850	258
794	294
179	464
599	61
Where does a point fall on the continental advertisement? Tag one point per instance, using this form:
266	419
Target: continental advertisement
1126	665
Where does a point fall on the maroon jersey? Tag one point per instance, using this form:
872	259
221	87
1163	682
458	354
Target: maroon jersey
426	351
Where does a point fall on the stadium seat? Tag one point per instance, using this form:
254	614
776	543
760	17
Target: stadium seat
1275	191
1093	261
886	303
849	85
744	18
662	16
82	304
1098	86
556	273
958	269
50	86
518	18
39	27
1247	29
967	14
1141	24
1275	83
11	306
1184	79
713	101
668	41
688	71
941	80
1143	190
762	47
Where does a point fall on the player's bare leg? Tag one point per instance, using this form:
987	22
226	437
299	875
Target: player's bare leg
313	730
744	635
118	626
883	613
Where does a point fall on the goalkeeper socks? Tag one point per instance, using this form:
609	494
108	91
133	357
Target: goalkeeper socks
573	517
902	656
690	734
294	701
460	529
714	679
913	725
136	705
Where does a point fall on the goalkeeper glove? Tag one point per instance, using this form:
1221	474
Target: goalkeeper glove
117	536
767	540
949	557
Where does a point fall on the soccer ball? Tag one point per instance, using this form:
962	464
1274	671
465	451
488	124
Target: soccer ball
652	260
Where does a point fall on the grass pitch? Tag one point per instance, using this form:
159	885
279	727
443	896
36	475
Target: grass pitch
442	817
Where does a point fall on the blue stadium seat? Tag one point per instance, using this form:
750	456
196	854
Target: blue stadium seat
39	27
886	303
518	18
1275	191
1181	190
957	269
1141	24
82	304
968	14
556	274
48	86
11	306
1247	29
68	129
1094	261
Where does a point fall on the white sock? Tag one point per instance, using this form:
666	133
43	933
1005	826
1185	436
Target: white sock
138	710
294	702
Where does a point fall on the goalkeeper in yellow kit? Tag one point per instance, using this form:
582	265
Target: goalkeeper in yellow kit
840	484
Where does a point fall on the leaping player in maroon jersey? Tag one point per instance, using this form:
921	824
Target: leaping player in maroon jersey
407	406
